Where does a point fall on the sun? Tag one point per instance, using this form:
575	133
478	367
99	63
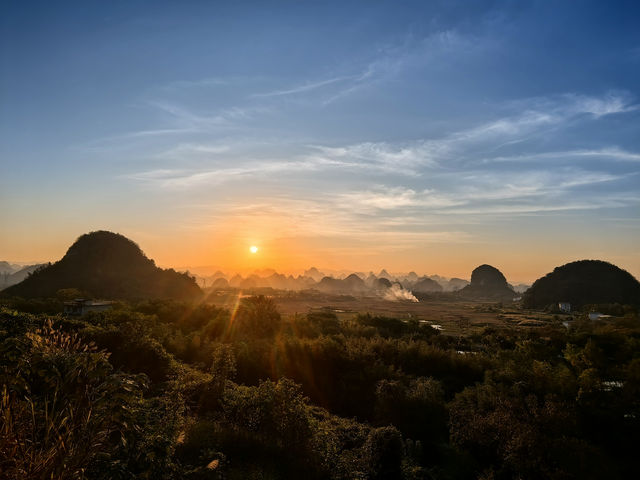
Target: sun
253	249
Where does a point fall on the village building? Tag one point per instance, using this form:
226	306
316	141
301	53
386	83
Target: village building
564	307
80	306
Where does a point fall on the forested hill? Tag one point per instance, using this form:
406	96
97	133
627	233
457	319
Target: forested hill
107	265
584	282
488	282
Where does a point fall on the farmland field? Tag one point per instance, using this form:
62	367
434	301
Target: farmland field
448	313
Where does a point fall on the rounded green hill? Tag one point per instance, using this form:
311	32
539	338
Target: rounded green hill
107	265
584	282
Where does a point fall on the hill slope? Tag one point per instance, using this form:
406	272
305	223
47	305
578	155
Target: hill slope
584	282
426	285
107	265
488	282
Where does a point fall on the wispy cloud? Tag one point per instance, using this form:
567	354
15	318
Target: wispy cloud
609	104
525	192
538	117
304	88
325	217
394	198
457	152
609	153
186	179
402	159
187	118
199	83
388	61
429	190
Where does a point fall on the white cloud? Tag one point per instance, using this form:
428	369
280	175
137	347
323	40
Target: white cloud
497	193
305	88
598	107
609	153
550	113
385	198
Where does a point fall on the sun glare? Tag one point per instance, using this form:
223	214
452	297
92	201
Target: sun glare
253	249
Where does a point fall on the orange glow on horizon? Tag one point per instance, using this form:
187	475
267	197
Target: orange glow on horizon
290	249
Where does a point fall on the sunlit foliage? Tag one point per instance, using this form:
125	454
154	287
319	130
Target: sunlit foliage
164	389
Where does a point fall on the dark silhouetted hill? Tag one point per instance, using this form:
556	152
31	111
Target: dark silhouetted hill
354	283
329	284
220	283
584	282
381	284
488	282
384	274
107	265
313	273
457	284
350	285
426	285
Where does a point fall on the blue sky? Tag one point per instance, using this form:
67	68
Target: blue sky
427	136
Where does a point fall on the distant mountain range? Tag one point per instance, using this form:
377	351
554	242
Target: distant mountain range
357	282
11	274
7	268
487	283
108	265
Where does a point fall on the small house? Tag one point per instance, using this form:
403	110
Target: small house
564	307
80	306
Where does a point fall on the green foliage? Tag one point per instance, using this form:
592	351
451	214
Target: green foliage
385	451
275	412
394	328
128	338
256	317
326	322
179	390
584	282
62	407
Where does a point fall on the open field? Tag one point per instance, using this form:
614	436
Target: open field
449	314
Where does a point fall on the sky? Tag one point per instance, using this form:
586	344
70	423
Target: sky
425	136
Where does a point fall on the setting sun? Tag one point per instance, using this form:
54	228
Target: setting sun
253	249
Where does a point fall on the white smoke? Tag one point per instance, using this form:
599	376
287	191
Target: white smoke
397	293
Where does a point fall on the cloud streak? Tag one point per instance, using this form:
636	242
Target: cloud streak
434	190
303	88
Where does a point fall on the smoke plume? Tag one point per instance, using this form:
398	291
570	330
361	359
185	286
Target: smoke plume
397	293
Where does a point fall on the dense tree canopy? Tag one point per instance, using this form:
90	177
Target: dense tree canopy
162	389
584	282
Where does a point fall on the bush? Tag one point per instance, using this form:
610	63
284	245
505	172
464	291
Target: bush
62	407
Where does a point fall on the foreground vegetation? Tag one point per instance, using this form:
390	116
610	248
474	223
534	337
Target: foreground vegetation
175	390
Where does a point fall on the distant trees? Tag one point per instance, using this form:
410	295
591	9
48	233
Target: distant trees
256	317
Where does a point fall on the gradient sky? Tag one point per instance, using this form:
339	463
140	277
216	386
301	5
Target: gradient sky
426	136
